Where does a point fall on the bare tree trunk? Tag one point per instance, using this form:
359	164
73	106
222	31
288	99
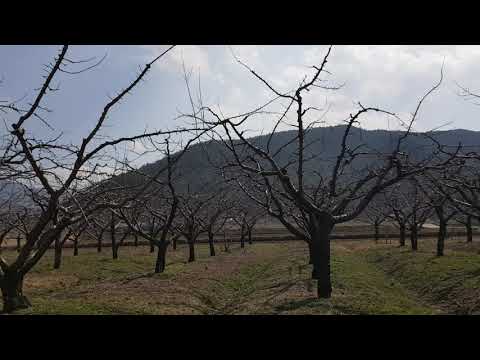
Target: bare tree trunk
19	243
152	248
250	236
310	258
161	257
442	233
402	234
75	246
12	292
210	243
321	227
191	250
135	241
57	260
114	239
225	243
469	229
414	237
174	242
242	236
115	250
99	241
377	235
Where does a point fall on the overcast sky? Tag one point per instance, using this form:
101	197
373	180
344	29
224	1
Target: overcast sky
390	77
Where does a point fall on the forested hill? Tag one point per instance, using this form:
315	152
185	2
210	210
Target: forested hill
195	167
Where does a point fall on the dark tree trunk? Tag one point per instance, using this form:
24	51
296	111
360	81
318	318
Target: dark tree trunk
402	234
19	243
174	242
75	246
161	257
414	238
469	229
12	292
242	236
321	227
114	250
442	233
377	235
135	241
191	250
210	243
99	241
310	258
250	236
225	243
57	260
113	236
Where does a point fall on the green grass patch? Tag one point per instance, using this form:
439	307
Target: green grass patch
451	282
265	278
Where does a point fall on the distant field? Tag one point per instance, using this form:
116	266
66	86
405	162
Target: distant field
263	278
275	231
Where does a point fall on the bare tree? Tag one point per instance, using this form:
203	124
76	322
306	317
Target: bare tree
398	211
419	211
246	217
216	215
97	228
465	220
192	217
377	213
159	210
341	191
440	203
63	178
409	209
77	231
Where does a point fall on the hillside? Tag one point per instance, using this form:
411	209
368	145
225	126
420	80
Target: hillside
195	168
198	168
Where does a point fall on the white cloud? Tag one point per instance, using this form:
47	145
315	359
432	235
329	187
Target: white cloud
195	57
391	77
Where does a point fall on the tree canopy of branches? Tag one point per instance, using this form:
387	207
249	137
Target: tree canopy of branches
67	183
341	191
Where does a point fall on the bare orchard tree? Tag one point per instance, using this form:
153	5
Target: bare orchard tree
97	228
60	240
465	220
339	191
151	216
398	210
12	216
77	231
240	218
377	213
68	176
216	214
253	215
441	205
461	183
418	210
117	227
246	216
193	217
156	235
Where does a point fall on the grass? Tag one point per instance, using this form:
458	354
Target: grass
264	278
450	282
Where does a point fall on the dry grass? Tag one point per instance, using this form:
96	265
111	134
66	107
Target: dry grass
263	278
